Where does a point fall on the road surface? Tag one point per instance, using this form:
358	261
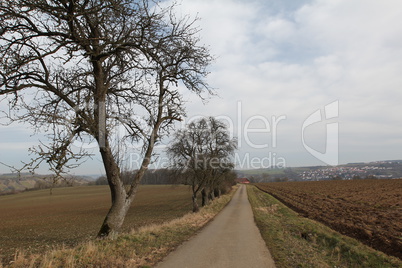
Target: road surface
231	240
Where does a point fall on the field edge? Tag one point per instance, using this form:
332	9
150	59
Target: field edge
295	241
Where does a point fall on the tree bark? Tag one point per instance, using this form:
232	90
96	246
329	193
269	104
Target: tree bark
195	204
204	198
211	195
121	199
120	203
217	192
118	211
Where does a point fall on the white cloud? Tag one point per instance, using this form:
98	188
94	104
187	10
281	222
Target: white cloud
294	57
296	62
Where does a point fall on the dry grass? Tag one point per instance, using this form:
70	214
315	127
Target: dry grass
143	247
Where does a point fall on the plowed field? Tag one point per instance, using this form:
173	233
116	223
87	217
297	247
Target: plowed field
368	210
37	221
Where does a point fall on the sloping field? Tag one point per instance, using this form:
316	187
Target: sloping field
368	210
36	221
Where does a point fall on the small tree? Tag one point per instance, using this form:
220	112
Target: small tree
78	69
202	154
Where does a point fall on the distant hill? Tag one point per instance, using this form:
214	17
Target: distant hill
379	169
12	182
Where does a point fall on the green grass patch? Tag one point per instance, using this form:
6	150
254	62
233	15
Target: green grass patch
295	241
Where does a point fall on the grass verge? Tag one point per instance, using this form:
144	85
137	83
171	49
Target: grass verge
141	248
295	241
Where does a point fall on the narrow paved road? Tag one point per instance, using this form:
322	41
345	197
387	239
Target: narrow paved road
231	240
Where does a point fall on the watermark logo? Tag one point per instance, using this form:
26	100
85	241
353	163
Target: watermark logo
331	154
257	137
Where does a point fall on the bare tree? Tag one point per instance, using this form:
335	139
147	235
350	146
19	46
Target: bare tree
78	69
202	155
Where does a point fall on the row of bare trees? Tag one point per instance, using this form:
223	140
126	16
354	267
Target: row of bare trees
79	69
202	157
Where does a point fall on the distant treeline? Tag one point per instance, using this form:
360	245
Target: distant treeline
151	177
49	183
165	176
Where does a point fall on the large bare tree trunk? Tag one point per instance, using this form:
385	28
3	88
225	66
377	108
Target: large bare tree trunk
120	203
121	198
118	211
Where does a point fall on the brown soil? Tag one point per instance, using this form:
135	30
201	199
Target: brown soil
367	210
36	221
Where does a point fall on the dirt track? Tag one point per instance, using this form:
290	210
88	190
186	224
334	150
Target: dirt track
230	240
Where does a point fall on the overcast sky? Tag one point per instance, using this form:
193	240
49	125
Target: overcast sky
278	65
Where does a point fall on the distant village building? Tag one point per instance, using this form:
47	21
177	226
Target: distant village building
242	180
